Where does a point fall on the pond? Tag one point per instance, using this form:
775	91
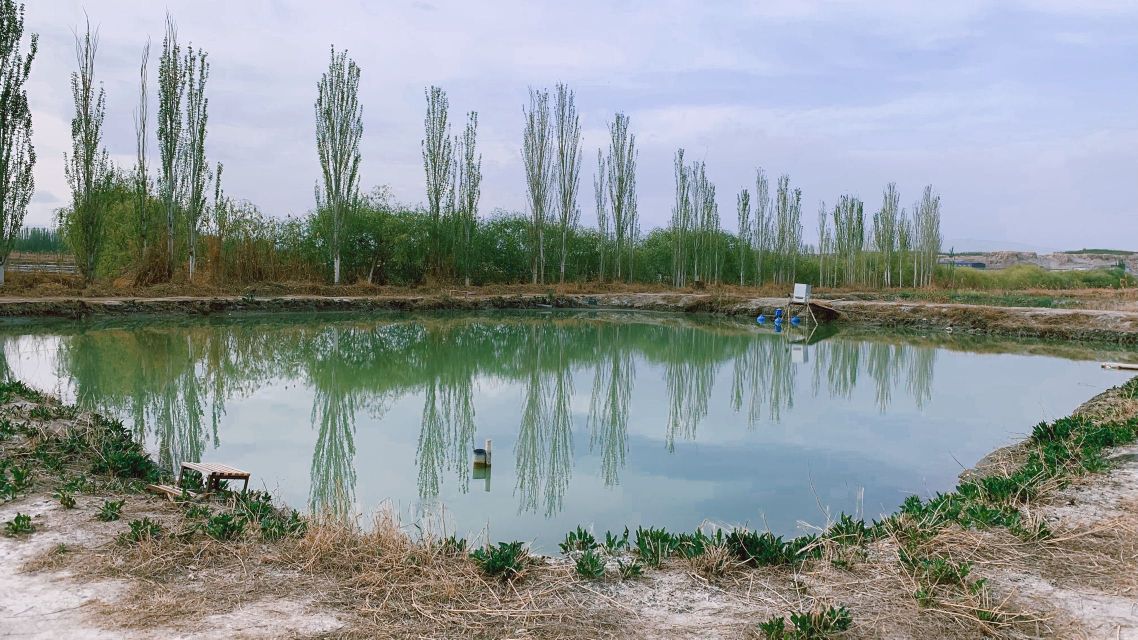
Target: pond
599	419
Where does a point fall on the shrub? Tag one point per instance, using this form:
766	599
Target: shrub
654	545
21	524
506	560
280	525
629	570
142	530
110	511
578	540
767	549
810	625
224	526
590	565
66	500
614	544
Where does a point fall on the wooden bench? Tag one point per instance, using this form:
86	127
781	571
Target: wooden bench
212	474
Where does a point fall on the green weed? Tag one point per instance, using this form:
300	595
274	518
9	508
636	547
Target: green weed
767	549
614	544
578	540
810	625
20	525
142	530
654	545
224	526
66	500
629	570
110	511
507	560
590	565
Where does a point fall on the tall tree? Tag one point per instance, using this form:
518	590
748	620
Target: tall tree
171	92
763	226
537	151
743	203
88	168
567	168
621	166
604	226
681	220
469	190
142	166
339	127
17	155
438	163
197	170
885	232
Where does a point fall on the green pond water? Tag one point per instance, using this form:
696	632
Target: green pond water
600	419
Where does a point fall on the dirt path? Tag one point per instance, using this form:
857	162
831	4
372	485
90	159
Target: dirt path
1105	326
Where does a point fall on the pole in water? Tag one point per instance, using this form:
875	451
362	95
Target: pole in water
482	456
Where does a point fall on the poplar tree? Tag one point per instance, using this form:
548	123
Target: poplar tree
438	164
743	205
621	167
339	127
17	155
567	168
171	91
681	220
142	166
469	190
885	232
604	226
196	168
537	152
88	168
763	230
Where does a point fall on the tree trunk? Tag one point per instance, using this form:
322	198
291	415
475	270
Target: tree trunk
3	268
336	269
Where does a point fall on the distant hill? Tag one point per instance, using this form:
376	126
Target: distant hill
1109	252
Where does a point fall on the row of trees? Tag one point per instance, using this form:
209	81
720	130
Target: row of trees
124	221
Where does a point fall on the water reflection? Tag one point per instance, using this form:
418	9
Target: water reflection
172	383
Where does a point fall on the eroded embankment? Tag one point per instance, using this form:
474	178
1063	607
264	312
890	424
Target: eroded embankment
1105	326
1042	543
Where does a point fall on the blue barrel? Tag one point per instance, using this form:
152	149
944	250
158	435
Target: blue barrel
777	313
761	319
795	320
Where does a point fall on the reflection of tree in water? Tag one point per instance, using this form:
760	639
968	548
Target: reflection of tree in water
544	448
609	405
172	380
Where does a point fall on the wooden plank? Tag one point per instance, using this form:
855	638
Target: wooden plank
1123	366
169	491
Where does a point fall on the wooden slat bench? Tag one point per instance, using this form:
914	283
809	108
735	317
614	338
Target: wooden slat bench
212	474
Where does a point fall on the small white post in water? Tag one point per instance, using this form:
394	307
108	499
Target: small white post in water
482	456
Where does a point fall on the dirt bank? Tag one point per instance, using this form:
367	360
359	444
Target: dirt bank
1105	326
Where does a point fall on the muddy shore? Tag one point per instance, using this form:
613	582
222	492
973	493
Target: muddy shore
1091	325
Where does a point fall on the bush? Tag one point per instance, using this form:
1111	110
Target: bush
767	549
20	525
810	625
224	526
142	530
110	511
590	565
578	540
507	560
654	545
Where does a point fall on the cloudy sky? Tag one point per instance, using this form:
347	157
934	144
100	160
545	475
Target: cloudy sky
1022	113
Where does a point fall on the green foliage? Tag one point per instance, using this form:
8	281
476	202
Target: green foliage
197	512
691	545
809	625
453	545
283	524
224	526
578	540
12	389
142	530
21	524
506	560
38	240
591	565
66	500
614	544
767	549
119	455
110	511
935	570
847	531
655	545
13	479
629	570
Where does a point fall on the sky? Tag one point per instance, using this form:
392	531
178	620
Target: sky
1023	114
